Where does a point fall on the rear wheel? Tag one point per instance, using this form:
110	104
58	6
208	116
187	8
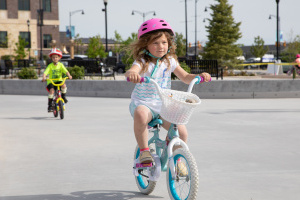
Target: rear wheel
142	180
61	109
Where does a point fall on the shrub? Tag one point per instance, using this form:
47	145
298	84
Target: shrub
6	57
27	73
185	67
76	72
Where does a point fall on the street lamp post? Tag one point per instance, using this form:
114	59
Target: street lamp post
186	34
196	29
41	23
105	10
143	14
277	48
29	39
72	13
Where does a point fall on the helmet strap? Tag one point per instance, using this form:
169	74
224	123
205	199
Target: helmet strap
157	61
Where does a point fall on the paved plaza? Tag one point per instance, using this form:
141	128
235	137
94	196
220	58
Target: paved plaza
246	149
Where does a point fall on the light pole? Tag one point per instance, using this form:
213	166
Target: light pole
277	48
143	14
72	13
186	34
105	10
40	24
196	29
29	39
277	35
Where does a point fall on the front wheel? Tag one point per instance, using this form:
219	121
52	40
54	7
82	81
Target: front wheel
61	109
185	185
142	180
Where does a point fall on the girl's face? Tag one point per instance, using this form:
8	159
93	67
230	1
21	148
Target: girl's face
159	47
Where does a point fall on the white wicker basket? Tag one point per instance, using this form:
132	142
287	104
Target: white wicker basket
174	108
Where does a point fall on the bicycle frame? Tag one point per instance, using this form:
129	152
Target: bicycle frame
164	151
58	92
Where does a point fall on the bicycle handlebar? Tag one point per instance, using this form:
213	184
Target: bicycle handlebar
59	84
196	80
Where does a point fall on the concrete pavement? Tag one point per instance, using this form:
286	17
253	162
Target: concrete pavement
244	148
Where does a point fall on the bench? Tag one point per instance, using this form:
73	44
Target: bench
209	66
92	67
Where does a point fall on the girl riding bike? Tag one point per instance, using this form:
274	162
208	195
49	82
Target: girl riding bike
154	54
55	70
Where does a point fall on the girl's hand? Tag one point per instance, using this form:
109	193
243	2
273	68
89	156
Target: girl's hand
206	76
134	77
70	77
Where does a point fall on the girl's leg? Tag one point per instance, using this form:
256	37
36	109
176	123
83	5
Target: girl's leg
142	116
183	133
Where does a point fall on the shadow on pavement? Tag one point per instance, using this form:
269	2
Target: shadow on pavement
86	195
32	118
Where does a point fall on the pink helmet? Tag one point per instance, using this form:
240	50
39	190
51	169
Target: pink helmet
298	56
55	51
153	25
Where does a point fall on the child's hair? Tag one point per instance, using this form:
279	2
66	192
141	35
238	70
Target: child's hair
137	48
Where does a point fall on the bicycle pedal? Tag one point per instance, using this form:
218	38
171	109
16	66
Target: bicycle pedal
141	165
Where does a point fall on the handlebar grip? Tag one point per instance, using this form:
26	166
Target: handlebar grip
143	79
201	79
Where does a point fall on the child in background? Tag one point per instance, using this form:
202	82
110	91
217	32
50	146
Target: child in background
154	54
55	70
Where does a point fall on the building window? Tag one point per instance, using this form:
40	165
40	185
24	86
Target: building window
2	4
47	40
47	5
3	39
26	37
24	4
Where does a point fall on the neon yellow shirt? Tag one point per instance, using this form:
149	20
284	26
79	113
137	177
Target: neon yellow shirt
55	71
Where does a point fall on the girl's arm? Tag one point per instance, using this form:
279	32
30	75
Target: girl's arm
133	74
187	78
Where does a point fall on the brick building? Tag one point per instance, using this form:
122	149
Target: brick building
20	18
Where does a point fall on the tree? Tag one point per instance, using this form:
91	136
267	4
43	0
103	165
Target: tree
180	44
292	49
20	49
223	33
78	44
95	48
127	59
258	49
118	45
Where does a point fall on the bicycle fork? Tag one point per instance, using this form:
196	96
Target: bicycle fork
175	141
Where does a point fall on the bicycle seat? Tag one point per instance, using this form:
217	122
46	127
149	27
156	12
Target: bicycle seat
154	122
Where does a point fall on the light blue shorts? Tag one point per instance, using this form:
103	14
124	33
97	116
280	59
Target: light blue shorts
132	108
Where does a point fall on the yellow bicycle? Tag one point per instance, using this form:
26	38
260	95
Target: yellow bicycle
58	102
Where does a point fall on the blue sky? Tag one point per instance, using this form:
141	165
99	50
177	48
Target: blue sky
253	14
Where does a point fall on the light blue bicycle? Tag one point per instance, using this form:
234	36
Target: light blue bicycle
177	108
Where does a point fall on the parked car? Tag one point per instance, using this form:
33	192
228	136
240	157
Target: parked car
66	57
251	60
120	68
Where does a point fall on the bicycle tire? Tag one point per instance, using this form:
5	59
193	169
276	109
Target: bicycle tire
183	187
55	109
61	109
144	184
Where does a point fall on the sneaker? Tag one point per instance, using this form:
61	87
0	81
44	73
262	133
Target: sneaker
145	157
181	169
50	108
